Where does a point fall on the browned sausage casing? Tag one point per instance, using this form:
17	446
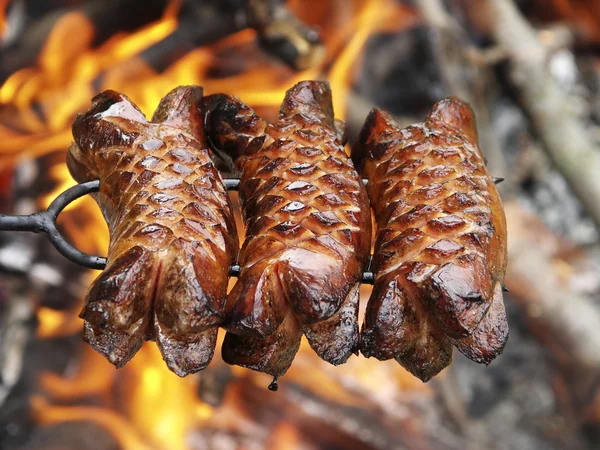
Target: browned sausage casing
308	231
440	253
172	233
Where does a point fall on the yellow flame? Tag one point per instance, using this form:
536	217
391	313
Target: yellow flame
156	408
54	323
157	404
115	423
94	376
160	403
3	22
375	15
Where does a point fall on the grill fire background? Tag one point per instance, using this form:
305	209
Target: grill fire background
530	69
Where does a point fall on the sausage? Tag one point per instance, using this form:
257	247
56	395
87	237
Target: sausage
308	231
172	232
440	250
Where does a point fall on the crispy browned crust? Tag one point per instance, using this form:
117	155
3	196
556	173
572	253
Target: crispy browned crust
308	231
440	253
172	233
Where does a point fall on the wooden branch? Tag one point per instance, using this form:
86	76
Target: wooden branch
566	321
566	140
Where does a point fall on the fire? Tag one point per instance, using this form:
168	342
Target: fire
3	22
57	323
116	424
161	404
374	16
156	409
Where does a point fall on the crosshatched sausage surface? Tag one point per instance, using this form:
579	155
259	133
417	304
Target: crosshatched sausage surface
308	231
172	233
440	251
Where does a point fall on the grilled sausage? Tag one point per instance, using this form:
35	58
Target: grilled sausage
440	251
172	233
308	231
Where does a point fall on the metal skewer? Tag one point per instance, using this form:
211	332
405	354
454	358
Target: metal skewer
45	222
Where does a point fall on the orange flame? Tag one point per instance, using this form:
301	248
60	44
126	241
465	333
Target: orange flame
3	22
153	408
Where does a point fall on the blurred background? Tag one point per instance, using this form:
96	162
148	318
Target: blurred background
531	71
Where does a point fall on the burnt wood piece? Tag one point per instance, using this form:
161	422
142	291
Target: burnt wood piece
282	34
172	232
307	231
38	19
279	31
440	252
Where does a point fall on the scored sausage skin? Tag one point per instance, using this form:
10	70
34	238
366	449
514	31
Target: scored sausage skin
440	251
308	231
172	233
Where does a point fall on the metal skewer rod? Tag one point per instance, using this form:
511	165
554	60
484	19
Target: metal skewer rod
45	222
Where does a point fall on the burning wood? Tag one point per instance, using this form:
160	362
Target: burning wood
573	149
282	34
570	329
279	31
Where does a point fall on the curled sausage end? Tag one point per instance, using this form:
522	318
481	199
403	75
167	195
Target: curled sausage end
272	355
188	353
117	307
490	336
398	326
454	113
336	338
